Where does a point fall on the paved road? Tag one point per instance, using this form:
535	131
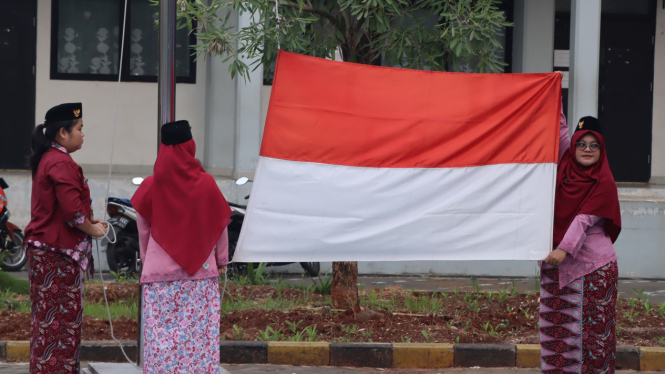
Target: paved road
654	289
275	369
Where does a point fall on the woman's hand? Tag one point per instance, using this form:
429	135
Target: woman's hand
101	229
222	270
556	257
95	221
97	229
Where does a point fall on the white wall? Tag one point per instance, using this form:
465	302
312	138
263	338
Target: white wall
136	134
658	147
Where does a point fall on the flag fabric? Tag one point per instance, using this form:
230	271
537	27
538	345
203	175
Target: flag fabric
367	163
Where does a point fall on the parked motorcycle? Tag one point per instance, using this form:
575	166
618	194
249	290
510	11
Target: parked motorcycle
237	219
123	256
14	256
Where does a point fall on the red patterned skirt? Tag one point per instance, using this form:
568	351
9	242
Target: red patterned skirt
578	322
56	299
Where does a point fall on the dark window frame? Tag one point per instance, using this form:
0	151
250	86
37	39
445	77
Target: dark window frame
126	76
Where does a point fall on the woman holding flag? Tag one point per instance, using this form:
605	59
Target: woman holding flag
579	277
182	258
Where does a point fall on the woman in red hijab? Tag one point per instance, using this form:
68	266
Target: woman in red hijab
182	218
579	277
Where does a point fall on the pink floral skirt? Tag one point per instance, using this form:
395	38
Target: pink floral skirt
181	326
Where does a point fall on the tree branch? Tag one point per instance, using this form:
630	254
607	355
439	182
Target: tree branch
309	8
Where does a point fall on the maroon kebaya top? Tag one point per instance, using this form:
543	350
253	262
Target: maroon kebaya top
60	202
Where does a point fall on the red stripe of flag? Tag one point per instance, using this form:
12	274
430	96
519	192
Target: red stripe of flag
358	115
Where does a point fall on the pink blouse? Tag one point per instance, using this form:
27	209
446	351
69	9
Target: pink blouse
586	242
158	266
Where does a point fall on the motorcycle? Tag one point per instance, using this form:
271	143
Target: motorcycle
237	218
124	255
13	256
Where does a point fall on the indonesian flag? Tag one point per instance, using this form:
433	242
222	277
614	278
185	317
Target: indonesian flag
366	163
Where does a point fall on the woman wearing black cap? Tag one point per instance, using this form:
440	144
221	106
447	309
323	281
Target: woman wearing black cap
579	277
58	241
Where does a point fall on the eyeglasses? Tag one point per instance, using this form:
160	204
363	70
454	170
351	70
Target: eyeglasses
582	146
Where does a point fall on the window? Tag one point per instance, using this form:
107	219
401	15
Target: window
85	42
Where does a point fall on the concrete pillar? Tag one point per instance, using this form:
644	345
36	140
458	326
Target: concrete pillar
533	36
658	137
233	117
219	151
248	115
584	59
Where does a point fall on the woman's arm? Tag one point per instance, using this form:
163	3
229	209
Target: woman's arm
576	234
573	239
564	137
222	252
67	182
144	235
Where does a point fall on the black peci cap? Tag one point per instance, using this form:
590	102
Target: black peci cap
174	133
63	112
589	123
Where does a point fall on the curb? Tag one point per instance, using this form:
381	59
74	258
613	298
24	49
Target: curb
299	353
423	355
485	355
381	355
528	356
18	351
652	359
376	355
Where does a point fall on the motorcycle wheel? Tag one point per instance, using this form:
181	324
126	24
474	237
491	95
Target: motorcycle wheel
311	268
121	256
14	259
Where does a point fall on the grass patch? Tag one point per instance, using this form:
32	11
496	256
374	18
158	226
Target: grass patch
278	302
19	286
128	309
9	302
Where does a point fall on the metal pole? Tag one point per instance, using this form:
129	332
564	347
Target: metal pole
167	28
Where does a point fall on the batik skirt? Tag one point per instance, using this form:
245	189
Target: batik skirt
56	300
181	326
578	322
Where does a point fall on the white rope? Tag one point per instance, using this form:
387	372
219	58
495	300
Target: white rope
108	188
224	290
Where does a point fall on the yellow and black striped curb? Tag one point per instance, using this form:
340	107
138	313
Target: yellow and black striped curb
383	355
99	351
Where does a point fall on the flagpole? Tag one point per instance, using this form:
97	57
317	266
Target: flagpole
167	29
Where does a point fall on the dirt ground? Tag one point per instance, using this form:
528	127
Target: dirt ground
513	321
16	326
114	292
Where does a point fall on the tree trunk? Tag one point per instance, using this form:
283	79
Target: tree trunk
345	285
